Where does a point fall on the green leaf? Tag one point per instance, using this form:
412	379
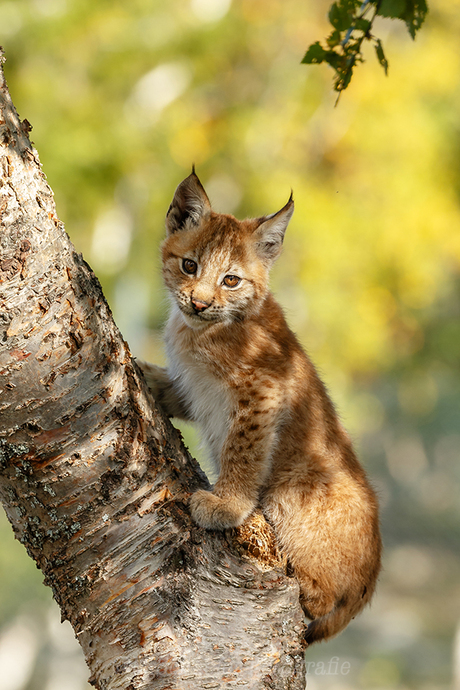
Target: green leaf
333	59
314	55
392	8
362	25
341	15
334	39
381	55
343	77
414	15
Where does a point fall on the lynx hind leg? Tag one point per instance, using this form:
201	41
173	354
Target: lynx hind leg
317	600
317	591
332	592
163	390
335	583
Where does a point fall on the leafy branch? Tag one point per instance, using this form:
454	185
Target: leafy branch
352	22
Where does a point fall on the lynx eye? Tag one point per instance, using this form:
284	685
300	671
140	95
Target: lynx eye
189	266
232	281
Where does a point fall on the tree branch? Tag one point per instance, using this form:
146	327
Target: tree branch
95	481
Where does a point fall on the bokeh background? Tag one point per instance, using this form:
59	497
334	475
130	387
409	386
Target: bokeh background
123	98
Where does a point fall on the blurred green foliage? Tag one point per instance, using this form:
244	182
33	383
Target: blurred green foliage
124	97
352	25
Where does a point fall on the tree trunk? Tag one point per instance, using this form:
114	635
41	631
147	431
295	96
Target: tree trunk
95	481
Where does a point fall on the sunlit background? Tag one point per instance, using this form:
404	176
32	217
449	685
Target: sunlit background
123	98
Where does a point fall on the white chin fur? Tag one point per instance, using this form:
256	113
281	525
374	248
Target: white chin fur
194	321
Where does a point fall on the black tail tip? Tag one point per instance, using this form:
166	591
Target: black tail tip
313	633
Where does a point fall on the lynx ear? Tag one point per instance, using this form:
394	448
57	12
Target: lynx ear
270	233
190	202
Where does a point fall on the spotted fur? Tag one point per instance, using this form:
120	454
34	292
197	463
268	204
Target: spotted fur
238	371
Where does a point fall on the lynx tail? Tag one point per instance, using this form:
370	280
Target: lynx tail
331	624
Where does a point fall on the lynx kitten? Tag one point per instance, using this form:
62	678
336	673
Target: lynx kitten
238	371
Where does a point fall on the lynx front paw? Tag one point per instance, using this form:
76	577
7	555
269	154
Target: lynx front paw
156	377
212	512
163	390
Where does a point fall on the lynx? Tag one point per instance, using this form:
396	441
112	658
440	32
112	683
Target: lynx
238	371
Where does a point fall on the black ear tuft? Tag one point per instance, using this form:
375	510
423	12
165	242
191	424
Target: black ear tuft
190	203
270	233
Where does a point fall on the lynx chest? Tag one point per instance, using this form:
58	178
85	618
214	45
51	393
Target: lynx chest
206	398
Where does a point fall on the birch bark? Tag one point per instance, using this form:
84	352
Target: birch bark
95	481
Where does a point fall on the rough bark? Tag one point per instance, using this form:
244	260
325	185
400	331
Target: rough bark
95	481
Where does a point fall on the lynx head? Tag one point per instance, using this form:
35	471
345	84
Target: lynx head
215	266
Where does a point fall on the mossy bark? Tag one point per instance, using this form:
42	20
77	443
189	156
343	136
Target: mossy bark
95	481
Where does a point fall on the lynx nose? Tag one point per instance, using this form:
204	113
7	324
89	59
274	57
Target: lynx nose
199	305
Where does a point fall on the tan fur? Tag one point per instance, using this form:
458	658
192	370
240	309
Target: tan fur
239	372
